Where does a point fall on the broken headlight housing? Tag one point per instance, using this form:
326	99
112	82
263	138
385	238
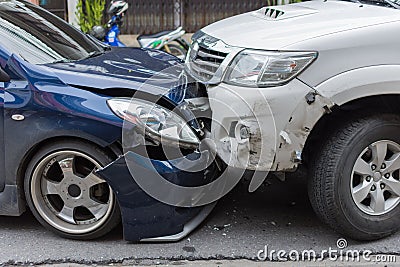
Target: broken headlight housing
154	121
257	68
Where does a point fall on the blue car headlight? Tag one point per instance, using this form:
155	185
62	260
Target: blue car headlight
155	121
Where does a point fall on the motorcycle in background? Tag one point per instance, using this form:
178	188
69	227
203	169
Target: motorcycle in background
169	41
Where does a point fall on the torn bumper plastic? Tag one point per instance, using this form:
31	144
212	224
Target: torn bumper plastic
145	218
264	129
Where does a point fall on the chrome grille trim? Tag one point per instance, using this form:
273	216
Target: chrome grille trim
206	53
209	57
199	70
207	63
204	62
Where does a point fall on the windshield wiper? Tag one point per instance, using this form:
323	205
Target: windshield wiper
104	46
91	55
95	54
393	4
63	60
386	3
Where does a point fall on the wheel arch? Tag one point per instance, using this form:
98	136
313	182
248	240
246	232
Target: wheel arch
366	89
360	83
329	122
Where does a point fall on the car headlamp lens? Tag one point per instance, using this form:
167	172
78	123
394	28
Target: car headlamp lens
154	120
263	68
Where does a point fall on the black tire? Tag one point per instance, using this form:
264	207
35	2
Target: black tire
177	50
109	221
330	188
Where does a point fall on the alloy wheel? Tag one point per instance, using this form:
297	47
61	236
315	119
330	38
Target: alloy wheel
68	195
375	181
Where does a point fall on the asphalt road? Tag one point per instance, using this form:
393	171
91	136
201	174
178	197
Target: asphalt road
279	216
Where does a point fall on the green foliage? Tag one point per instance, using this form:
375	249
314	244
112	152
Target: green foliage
89	13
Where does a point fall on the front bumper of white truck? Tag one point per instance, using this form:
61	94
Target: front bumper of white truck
261	129
264	129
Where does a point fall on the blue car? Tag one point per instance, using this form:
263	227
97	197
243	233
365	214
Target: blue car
61	151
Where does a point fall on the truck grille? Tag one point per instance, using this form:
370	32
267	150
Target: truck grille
204	63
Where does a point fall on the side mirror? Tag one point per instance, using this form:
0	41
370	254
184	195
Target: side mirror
4	76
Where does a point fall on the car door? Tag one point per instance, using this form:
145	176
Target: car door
4	78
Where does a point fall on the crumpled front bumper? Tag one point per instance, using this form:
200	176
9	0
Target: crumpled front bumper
264	129
145	218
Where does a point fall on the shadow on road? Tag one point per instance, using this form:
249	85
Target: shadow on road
278	215
277	206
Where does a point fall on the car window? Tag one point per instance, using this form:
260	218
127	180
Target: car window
40	37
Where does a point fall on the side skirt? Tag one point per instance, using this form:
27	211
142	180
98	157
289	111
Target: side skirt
11	202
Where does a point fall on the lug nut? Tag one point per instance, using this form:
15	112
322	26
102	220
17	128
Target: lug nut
383	186
373	188
244	132
373	167
383	166
387	175
368	178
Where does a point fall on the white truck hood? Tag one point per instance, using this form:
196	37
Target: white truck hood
278	27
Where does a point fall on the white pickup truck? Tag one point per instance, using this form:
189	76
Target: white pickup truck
314	84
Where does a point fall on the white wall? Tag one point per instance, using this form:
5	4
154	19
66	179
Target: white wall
71	12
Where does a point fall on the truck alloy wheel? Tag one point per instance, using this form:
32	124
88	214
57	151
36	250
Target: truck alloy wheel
375	181
354	185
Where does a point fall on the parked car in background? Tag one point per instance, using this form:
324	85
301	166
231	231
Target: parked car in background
314	85
63	101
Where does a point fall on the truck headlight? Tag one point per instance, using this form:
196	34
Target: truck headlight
256	68
155	121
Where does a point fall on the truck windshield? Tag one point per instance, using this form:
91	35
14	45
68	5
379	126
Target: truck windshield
39	37
384	3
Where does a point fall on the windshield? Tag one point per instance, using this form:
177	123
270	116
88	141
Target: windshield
385	3
39	37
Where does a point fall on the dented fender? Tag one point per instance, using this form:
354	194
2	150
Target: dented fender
294	136
264	129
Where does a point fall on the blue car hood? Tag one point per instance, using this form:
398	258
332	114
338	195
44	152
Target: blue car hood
127	68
